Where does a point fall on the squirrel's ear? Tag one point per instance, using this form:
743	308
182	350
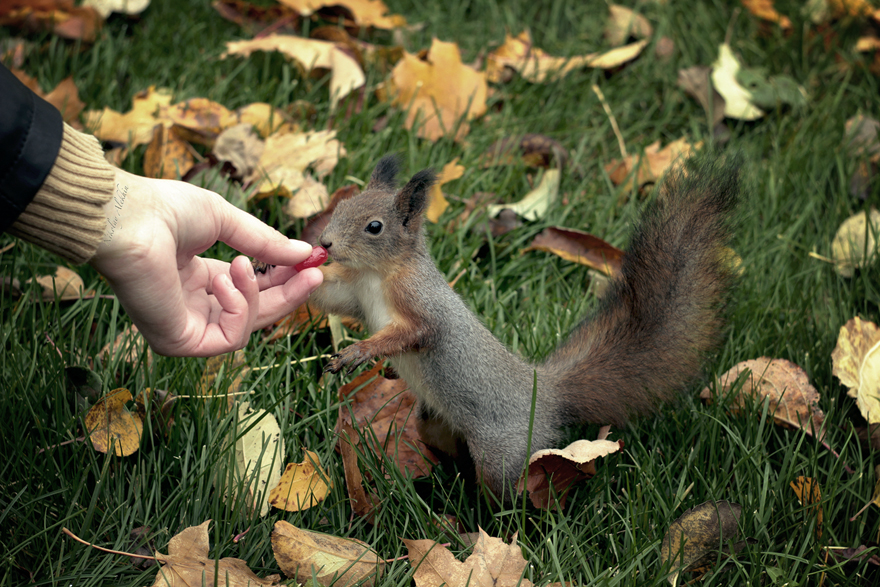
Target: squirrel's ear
412	200
385	172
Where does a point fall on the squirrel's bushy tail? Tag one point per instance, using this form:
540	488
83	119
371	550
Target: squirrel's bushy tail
647	339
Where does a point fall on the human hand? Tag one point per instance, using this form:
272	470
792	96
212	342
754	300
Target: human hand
186	305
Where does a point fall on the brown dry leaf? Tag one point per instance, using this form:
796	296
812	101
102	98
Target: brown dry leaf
697	534
187	563
302	554
764	10
294	323
109	422
60	17
648	168
624	23
282	169
863	137
255	17
841	8
64	97
364	504
345	73
65	284
808	493
855	244
856	360
167	156
492	564
793	399
437	203
536	150
697	83
107	7
578	247
552	472
535	204
367	13
198	120
161	403
135	127
533	64
852	555
129	343
302	485
241	148
388	409
439	91
226	364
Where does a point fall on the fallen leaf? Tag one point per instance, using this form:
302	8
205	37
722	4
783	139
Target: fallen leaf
808	493
255	17
161	403
267	119
737	100
793	399
259	454
856	362
536	203
697	83
198	120
624	23
109	422
107	7
641	169
855	244
368	13
363	503
65	285
386	408
60	17
131	346
699	533
552	472
187	563
533	64
440	93
282	169
302	554
345	73
64	97
167	156
302	485
241	148
863	137
135	127
229	365
866	44
492	564
535	150
578	247
764	10
853	555
437	203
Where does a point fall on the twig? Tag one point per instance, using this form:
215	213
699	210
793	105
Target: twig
7	247
611	119
157	556
215	395
72	440
305	360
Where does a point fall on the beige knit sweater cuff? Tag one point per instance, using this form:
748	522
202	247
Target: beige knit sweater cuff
66	216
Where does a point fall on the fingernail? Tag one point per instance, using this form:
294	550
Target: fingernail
301	247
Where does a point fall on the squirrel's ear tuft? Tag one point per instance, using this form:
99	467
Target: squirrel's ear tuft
385	173
412	200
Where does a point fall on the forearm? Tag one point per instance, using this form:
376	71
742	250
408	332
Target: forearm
67	214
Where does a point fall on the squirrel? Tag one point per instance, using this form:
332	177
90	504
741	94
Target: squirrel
642	345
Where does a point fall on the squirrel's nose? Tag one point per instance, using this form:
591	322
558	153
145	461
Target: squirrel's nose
325	243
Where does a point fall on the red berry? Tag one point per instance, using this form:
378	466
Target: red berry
318	256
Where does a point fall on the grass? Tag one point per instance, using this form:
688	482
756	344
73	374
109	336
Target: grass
788	305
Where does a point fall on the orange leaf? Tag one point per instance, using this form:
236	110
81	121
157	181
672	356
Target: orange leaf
764	10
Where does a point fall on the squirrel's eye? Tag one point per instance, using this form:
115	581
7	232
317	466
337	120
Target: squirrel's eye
374	227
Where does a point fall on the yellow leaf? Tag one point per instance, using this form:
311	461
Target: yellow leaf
135	127
764	10
737	99
302	485
537	202
65	284
437	203
856	362
855	244
108	423
365	12
807	491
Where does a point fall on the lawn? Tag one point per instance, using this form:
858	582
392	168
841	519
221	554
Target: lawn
788	304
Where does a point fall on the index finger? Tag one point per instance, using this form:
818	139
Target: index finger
247	234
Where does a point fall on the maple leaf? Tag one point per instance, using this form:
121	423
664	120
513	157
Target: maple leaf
439	91
492	564
437	203
364	12
651	166
135	127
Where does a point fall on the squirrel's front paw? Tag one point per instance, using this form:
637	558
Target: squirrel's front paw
351	357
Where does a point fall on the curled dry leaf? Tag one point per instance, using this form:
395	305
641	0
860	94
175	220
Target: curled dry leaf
302	554
259	454
302	485
698	534
855	244
807	491
109	423
552	472
856	362
107	7
240	147
168	156
387	408
578	247
437	203
255	17
738	102
650	167
345	73
697	83
520	55
64	97
367	13
492	564
441	94
535	149
60	17
624	23
188	563
65	284
130	345
793	399
853	555
363	503
536	203
863	137
765	10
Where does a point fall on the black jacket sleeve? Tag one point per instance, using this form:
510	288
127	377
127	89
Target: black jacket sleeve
30	137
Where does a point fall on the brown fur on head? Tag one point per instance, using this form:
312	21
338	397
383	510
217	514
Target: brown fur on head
380	222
